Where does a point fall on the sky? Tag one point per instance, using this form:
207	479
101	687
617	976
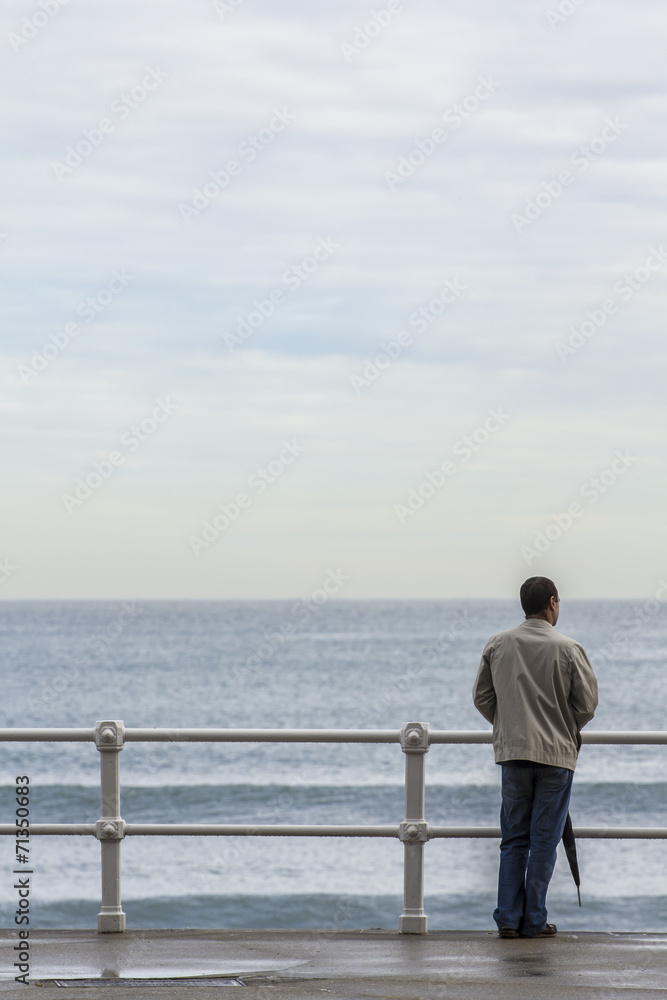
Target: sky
366	293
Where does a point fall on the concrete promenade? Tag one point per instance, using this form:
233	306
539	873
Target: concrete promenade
350	965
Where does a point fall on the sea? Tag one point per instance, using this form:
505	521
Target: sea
301	664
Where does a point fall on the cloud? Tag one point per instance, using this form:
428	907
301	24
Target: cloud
217	84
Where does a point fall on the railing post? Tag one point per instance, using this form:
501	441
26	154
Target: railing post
414	830
110	828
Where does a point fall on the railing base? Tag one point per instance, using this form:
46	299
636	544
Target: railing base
415	922
112	922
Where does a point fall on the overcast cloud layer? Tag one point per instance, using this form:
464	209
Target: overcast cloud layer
425	296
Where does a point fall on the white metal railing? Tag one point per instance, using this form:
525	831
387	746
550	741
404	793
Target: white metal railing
415	739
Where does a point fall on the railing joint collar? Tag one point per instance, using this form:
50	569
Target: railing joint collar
413	831
415	737
109	735
110	828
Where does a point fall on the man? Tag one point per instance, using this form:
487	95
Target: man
538	689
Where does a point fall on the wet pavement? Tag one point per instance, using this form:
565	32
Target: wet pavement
474	965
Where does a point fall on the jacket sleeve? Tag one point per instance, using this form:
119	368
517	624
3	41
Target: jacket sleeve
483	692
584	687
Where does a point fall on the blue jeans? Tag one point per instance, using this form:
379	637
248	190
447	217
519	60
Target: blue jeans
532	817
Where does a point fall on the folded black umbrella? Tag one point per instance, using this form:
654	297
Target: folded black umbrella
570	846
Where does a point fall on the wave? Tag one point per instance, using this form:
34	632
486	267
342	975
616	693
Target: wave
608	803
311	911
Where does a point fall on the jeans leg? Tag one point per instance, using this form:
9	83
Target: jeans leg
551	800
515	817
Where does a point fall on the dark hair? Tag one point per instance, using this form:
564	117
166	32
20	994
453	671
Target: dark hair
536	593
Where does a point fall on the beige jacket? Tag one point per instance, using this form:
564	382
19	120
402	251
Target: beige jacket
538	689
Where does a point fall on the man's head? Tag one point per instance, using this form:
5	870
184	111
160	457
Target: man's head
539	599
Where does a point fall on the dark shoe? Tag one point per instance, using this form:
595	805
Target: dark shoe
549	931
508	932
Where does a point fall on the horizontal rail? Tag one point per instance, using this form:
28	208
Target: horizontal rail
250	830
263	735
50	829
631	737
305	830
460	736
621	832
628	738
580	833
163	735
47	735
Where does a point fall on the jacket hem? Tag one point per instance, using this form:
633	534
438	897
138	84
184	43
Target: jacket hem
568	760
